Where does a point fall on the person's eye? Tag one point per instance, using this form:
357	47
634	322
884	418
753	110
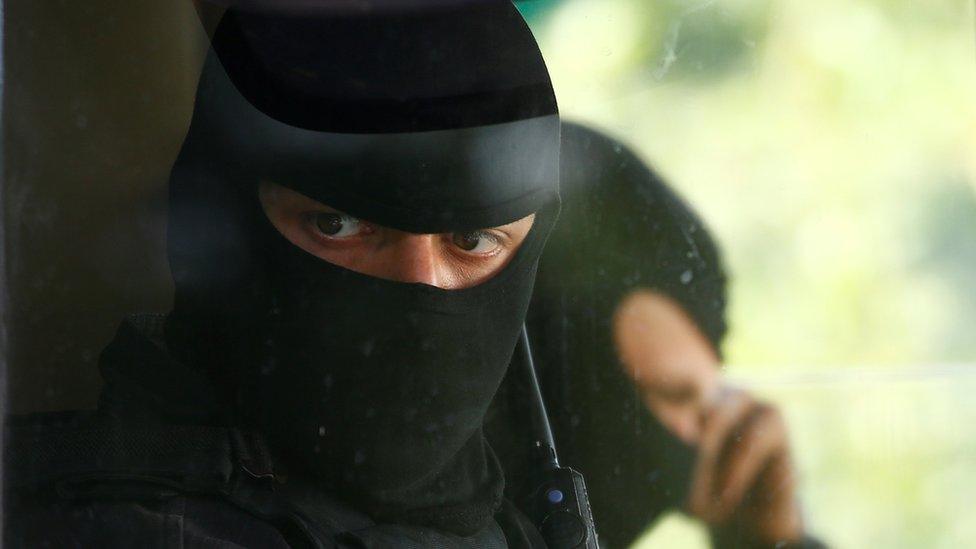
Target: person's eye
336	225
476	242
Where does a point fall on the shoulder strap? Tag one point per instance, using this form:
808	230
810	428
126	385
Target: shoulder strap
82	456
48	449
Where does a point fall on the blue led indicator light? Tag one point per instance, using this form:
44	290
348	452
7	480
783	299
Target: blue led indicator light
554	496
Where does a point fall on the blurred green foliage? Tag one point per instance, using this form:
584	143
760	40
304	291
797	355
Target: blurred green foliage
831	146
817	140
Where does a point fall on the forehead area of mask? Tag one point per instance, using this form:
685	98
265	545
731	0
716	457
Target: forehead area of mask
423	182
375	71
428	182
427	121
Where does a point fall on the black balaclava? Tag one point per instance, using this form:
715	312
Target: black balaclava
620	228
424	120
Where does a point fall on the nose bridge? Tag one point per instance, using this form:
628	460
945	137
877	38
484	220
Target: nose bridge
417	259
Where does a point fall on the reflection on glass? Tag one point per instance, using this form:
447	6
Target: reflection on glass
829	145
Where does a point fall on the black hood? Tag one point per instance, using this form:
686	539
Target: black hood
423	120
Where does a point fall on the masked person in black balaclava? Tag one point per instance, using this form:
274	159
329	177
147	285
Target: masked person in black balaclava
620	228
628	320
356	216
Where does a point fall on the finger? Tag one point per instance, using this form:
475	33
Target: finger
718	421
772	501
722	415
751	449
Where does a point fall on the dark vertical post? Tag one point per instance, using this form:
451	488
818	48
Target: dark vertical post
3	262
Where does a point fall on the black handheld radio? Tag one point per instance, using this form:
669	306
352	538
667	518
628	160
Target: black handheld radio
557	503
